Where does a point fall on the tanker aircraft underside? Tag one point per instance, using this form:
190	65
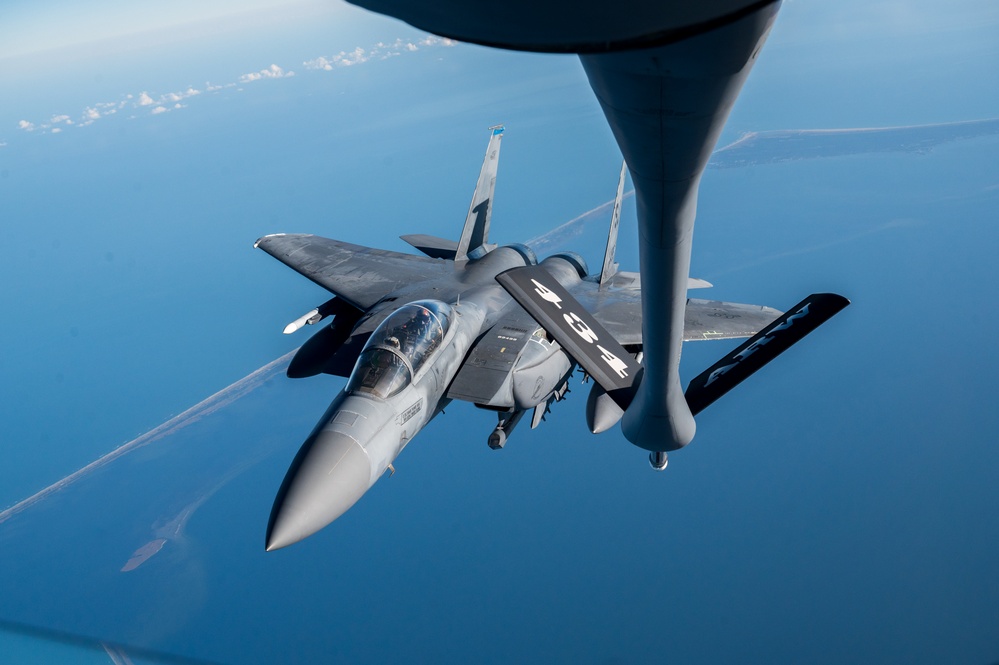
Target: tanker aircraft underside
489	325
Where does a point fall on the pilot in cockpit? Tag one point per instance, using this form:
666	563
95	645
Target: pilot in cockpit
423	323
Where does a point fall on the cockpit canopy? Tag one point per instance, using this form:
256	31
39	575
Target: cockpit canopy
399	347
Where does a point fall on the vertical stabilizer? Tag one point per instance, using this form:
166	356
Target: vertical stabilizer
476	231
610	267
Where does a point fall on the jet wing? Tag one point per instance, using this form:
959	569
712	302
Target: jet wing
359	275
618	308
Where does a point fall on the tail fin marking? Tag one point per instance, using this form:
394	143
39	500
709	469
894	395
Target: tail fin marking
475	233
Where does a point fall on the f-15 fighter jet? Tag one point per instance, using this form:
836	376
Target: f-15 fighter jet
484	324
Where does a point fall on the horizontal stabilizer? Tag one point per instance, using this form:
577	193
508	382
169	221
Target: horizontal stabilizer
756	352
565	319
432	246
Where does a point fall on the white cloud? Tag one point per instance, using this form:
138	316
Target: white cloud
380	51
431	40
3	144
177	96
319	63
172	100
355	57
272	72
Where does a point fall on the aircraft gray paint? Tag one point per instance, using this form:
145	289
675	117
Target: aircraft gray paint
416	332
666	74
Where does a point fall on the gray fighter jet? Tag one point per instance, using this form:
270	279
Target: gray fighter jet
474	322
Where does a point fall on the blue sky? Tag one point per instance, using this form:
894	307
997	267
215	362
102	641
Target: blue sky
30	27
838	504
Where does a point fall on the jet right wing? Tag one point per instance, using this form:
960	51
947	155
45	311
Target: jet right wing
617	306
788	329
361	276
613	368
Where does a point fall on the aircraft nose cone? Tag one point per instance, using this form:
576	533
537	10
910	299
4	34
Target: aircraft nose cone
329	474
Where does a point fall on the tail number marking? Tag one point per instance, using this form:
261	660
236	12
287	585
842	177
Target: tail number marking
547	293
614	362
580	327
755	346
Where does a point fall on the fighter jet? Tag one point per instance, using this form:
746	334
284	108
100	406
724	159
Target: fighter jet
486	324
666	74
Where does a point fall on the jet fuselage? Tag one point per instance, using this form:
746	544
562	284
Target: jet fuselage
400	383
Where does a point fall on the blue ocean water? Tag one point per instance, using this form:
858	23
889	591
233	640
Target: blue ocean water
837	507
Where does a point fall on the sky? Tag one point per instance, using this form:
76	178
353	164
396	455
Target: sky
837	506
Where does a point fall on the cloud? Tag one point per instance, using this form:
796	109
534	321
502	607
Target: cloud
177	96
431	40
272	72
3	144
319	63
347	59
172	100
380	51
355	57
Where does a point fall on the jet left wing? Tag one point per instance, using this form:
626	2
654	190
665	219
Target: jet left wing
359	275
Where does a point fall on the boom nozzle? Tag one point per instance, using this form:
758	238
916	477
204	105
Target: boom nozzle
658	460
